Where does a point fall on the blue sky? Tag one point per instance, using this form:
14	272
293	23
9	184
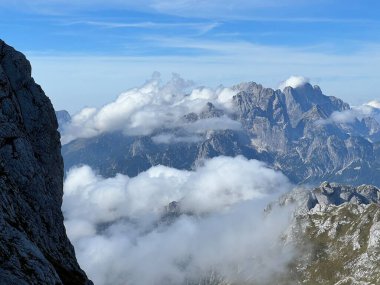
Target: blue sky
87	52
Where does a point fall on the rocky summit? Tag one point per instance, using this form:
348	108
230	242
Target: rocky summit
34	248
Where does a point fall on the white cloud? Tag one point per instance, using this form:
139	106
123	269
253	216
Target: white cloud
370	109
241	9
294	82
153	107
374	104
168	138
344	117
115	224
201	28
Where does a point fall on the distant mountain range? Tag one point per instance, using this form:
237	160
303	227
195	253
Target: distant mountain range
307	135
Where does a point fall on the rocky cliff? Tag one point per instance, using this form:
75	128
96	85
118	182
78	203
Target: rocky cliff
34	248
294	126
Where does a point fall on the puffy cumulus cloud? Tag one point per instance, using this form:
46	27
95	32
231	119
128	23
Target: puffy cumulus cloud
294	82
153	107
216	185
122	234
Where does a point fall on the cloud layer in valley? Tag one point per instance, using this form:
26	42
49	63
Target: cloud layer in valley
122	230
154	107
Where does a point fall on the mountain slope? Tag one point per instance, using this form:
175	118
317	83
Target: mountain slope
337	233
34	248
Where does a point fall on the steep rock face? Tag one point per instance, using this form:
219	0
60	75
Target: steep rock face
34	248
291	126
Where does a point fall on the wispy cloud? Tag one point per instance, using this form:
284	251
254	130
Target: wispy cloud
217	8
148	24
201	28
313	20
241	48
252	10
194	8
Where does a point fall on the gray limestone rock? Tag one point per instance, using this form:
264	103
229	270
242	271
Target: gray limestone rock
34	248
337	237
335	233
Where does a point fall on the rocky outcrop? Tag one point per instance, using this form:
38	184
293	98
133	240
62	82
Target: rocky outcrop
336	233
332	194
34	248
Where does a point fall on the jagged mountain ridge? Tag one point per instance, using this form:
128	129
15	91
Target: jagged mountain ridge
34	248
283	128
